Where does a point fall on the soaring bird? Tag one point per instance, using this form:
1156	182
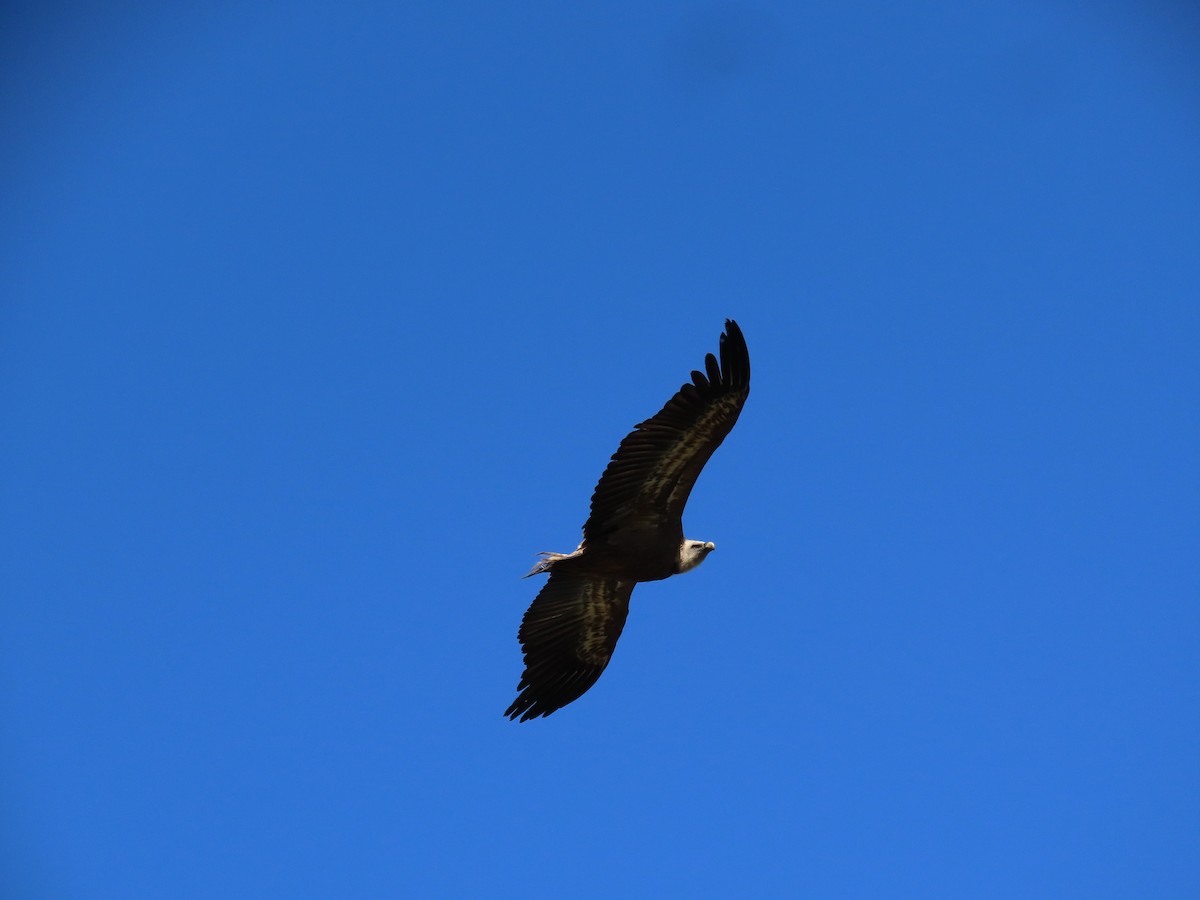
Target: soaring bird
634	533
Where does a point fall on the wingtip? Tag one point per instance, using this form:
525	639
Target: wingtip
525	708
735	355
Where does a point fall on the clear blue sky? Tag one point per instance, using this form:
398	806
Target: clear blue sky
318	320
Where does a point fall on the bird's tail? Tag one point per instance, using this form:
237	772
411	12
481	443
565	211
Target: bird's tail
549	558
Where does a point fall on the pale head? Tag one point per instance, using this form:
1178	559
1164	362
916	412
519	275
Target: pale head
692	553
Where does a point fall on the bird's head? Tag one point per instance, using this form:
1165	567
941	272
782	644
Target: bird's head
692	553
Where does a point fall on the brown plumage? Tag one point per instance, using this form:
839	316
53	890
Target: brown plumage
634	533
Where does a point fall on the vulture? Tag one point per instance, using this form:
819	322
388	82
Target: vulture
633	533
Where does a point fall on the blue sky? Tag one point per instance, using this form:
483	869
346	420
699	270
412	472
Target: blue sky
320	320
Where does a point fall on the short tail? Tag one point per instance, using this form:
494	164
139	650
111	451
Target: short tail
549	558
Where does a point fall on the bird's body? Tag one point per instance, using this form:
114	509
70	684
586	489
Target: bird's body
634	533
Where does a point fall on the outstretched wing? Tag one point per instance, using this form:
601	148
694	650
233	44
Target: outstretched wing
653	471
568	636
